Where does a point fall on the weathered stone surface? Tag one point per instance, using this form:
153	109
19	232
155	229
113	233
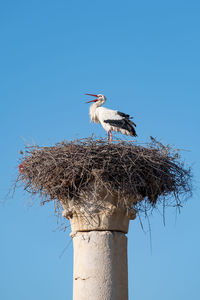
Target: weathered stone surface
117	221
100	246
100	266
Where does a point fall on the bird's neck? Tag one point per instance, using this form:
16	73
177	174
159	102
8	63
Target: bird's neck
93	112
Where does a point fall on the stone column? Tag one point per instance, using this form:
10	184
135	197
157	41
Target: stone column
100	266
100	255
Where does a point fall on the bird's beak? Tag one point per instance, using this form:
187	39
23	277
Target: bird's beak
95	100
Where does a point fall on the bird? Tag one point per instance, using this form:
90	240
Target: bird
111	120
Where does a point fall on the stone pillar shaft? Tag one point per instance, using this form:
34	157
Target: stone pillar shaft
100	252
100	266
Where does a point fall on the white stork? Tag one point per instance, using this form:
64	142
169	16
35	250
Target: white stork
111	120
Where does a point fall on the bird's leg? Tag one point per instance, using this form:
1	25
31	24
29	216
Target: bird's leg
108	138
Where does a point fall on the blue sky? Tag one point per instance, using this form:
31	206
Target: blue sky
144	56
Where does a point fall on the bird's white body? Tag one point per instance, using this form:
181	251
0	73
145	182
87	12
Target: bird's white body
111	120
101	114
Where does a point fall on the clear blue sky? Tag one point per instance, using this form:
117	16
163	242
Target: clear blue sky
144	56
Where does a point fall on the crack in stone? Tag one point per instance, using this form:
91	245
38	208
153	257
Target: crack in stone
76	278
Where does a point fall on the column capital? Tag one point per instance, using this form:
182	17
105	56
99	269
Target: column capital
110	219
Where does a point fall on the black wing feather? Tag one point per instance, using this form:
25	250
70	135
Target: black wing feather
123	124
123	115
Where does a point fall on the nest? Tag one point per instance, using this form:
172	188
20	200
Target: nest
139	176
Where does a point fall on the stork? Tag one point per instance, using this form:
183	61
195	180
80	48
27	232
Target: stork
111	120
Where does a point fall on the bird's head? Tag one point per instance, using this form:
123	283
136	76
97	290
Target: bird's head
100	99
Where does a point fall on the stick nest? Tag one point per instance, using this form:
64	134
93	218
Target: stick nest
138	176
